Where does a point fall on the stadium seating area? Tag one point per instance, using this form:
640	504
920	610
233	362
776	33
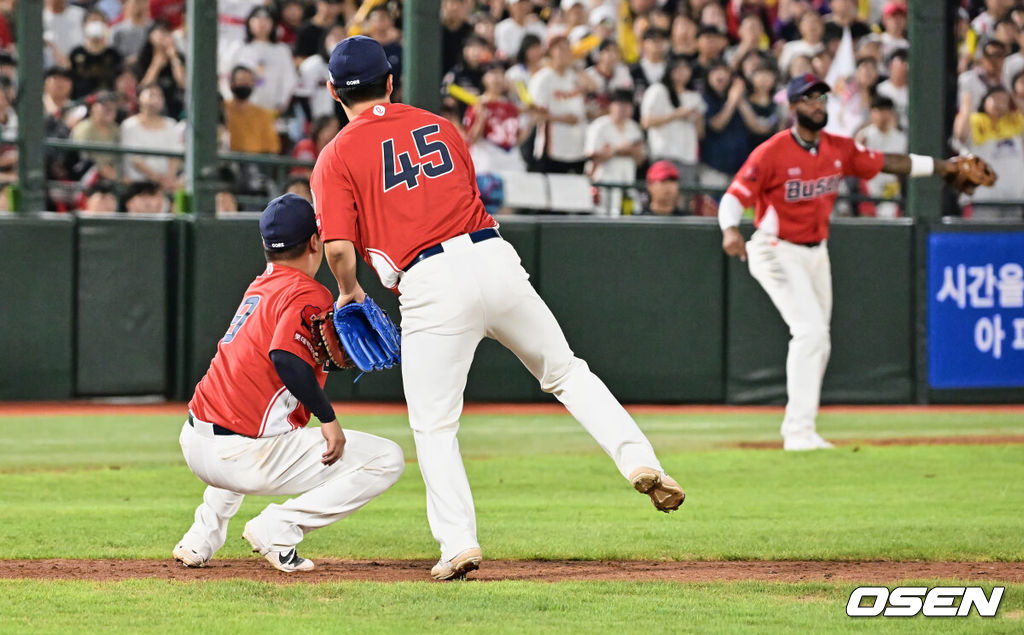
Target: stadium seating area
553	96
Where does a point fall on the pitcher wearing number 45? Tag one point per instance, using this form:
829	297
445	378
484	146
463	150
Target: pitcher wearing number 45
792	180
397	187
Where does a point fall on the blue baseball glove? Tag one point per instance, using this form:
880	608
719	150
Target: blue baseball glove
370	338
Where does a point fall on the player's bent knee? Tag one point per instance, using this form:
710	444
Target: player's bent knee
391	460
555	378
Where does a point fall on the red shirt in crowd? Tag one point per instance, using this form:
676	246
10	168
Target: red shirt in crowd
242	391
793	189
396	180
502	125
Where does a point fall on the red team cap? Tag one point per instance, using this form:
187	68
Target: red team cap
356	61
893	8
287	221
803	84
662	171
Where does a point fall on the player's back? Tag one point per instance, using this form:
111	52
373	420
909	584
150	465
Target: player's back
410	178
242	390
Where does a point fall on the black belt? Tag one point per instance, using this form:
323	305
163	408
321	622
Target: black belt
808	244
477	236
218	430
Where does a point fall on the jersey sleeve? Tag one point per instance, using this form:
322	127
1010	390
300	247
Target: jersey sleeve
862	162
333	198
292	330
750	180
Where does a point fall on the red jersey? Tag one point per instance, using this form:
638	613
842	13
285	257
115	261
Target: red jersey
502	125
396	180
793	189
242	390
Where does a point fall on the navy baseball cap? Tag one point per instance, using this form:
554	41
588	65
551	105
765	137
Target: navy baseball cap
357	60
803	84
287	221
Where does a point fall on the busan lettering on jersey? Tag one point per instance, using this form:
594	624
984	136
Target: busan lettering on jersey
799	190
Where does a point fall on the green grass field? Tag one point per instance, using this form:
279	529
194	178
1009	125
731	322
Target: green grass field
117	487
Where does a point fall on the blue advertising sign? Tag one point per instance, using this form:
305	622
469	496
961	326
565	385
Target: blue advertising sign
976	310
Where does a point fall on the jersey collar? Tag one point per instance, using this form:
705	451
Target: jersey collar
810	147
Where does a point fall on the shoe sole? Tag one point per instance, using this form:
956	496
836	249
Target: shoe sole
649	483
461	568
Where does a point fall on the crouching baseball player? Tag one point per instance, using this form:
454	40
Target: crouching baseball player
246	430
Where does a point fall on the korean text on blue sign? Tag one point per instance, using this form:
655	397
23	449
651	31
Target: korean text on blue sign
976	310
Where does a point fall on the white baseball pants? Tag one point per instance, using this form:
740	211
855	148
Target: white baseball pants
449	303
798	280
287	464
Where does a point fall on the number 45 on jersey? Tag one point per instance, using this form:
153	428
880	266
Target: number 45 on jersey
409	173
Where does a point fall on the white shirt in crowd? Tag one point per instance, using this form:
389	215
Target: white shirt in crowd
313	78
135	135
653	71
1012	65
274	70
508	35
676	140
561	95
231	18
900	97
603	131
64	29
884	185
620	79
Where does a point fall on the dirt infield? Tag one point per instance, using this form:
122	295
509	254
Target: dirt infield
530	570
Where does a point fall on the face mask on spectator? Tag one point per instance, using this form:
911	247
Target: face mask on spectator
241	92
95	30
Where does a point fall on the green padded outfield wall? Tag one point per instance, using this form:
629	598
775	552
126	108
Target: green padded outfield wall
872	321
641	301
125	295
37	286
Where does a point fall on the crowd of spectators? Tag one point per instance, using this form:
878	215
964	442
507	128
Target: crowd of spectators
640	93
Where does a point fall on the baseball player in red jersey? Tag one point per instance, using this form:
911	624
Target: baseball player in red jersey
246	430
792	180
397	186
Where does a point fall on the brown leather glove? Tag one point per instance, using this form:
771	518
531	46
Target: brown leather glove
326	343
969	172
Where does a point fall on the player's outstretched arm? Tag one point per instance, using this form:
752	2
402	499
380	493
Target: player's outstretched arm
341	258
964	173
916	165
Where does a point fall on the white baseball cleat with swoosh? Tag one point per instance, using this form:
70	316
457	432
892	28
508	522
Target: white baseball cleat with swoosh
286	560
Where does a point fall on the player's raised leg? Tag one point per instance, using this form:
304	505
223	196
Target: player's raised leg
522	322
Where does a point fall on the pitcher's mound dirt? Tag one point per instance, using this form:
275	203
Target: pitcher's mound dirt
533	570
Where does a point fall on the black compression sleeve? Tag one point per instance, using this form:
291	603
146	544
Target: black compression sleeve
299	379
